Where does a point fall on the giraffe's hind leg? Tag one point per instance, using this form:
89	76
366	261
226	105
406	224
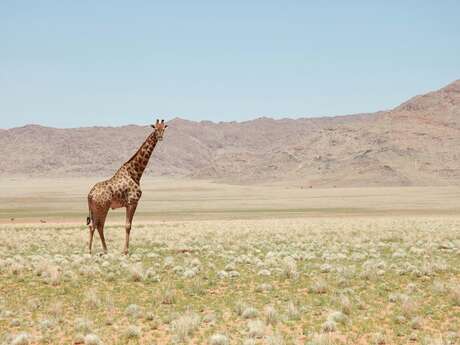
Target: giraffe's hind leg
90	223
91	234
100	230
98	221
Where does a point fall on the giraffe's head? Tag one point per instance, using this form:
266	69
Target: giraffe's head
160	129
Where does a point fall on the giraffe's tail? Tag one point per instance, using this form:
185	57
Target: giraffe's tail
89	219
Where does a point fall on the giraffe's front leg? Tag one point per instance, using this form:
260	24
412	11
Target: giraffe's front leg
130	210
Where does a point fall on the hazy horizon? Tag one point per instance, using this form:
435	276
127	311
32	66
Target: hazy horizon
70	64
216	121
153	118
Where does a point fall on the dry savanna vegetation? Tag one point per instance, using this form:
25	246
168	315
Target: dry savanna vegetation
338	275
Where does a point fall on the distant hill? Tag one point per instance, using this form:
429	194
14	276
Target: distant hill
417	143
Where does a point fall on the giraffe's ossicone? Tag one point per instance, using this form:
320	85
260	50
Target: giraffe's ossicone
122	190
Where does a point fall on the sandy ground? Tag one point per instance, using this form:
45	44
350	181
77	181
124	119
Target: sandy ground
43	200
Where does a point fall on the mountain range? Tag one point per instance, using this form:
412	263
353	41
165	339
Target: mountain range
416	143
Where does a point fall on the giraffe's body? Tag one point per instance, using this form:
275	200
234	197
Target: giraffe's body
122	190
119	191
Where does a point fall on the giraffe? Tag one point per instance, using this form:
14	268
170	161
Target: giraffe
122	190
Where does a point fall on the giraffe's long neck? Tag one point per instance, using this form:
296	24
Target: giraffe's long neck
137	164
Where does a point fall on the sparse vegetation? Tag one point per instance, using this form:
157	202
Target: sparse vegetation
218	339
315	289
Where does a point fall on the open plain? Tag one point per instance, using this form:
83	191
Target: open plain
229	264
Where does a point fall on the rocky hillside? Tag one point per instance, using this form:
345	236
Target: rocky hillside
417	143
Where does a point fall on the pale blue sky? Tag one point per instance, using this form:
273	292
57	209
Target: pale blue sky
78	63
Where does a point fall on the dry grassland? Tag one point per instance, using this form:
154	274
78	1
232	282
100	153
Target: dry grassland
220	264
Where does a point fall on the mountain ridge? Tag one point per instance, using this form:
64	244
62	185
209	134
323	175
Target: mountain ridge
415	143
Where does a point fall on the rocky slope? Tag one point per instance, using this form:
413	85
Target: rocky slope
417	143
